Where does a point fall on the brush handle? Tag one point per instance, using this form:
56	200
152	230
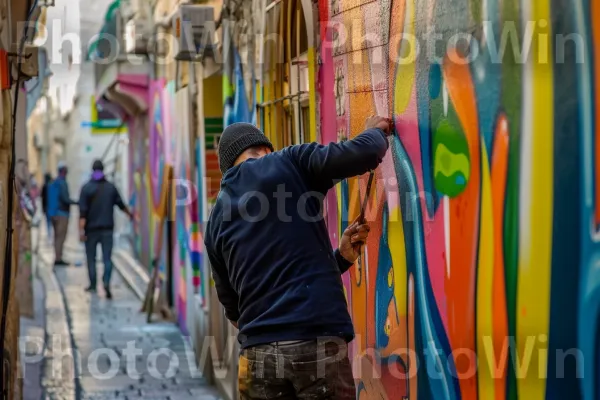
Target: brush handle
366	199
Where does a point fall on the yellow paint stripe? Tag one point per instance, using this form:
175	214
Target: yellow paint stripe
398	250
485	274
312	97
405	72
535	239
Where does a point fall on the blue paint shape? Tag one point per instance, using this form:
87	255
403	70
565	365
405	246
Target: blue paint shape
237	108
436	375
487	77
435	81
589	282
425	136
460	180
384	294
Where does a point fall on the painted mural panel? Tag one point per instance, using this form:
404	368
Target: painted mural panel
479	279
167	143
150	146
188	239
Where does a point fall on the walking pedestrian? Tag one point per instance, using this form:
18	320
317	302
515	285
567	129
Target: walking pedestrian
44	198
273	266
59	207
96	223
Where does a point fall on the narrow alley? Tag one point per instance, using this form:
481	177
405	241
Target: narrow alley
160	364
445	152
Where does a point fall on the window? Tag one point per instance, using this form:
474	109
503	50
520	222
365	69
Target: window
285	75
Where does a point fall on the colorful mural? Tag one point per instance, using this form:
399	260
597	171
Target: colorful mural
480	277
187	241
468	286
167	143
149	156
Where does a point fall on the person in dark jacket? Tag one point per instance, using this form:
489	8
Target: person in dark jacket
96	222
44	198
59	207
274	268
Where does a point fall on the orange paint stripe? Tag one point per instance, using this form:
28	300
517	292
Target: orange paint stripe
464	225
595	9
499	312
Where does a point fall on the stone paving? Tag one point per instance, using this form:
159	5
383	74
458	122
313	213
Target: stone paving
104	349
33	335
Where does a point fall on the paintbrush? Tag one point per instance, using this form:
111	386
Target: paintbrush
366	199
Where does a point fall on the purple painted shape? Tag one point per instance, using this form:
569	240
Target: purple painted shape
135	85
327	79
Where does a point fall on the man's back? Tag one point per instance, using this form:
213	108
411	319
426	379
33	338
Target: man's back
278	251
96	204
272	260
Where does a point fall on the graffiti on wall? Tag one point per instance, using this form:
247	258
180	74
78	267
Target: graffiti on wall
154	149
470	268
188	237
149	156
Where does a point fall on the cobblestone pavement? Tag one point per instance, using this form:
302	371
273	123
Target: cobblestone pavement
117	355
33	329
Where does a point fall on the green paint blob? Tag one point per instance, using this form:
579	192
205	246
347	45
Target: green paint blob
451	160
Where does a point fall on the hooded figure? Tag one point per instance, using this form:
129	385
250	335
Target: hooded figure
96	222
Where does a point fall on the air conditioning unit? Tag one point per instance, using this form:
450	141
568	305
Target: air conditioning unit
137	32
194	27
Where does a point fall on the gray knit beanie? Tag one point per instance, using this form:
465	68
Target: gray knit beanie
235	139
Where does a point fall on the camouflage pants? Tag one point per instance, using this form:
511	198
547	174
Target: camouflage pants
317	369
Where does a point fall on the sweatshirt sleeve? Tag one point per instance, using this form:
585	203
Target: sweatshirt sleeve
226	294
83	203
325	164
343	264
65	198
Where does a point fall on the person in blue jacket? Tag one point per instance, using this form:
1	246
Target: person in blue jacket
274	268
59	206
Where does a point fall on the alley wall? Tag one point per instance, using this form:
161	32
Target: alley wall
485	211
479	279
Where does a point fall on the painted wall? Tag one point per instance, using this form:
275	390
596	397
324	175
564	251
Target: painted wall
150	154
167	142
484	216
480	278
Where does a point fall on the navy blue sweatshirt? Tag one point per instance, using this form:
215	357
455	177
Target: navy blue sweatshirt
273	265
96	203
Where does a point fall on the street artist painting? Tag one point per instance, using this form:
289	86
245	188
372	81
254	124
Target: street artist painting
274	268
